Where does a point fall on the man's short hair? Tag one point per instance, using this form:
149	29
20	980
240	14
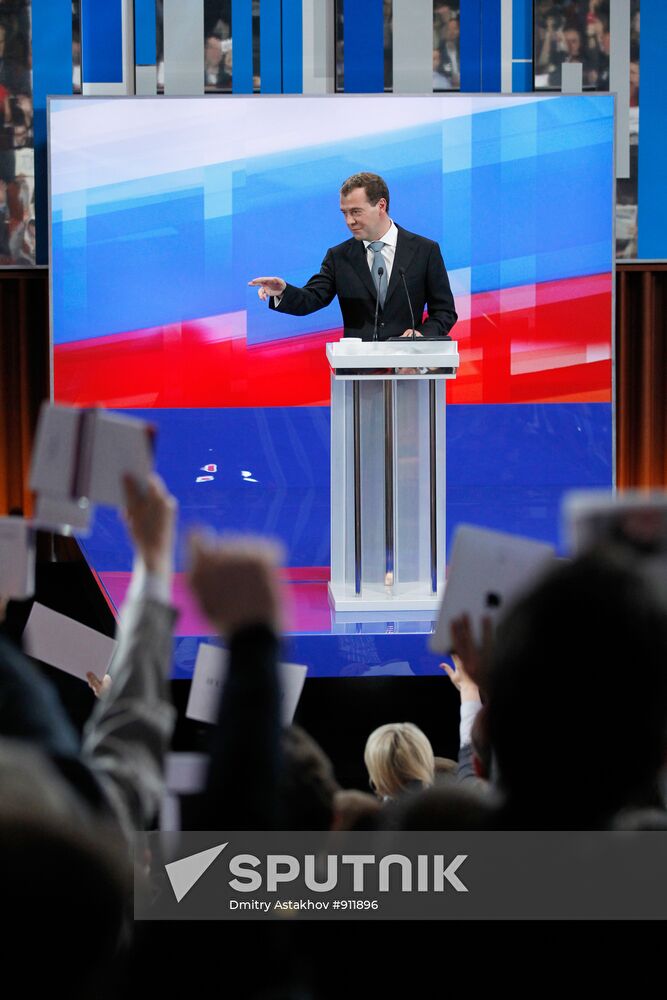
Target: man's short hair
374	186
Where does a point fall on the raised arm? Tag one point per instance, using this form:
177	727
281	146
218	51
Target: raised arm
127	736
465	676
237	586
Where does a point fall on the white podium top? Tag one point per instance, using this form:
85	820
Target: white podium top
349	353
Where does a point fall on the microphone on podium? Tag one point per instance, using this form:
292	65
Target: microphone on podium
380	272
407	295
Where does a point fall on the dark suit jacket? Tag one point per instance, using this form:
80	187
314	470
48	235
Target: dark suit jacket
345	273
242	788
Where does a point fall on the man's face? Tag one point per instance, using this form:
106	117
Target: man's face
365	221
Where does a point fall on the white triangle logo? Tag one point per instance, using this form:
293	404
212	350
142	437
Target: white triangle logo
183	874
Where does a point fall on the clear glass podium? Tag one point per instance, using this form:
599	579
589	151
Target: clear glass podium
388	412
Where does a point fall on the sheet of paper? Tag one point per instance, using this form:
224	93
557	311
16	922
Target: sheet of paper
185	773
209	678
63	643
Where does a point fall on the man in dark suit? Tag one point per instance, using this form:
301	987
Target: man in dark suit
374	274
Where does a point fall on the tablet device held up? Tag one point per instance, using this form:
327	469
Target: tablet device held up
634	521
487	571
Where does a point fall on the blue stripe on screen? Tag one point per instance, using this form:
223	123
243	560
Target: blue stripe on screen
508	468
270	46
522	78
363	52
522	29
52	74
242	46
102	41
145	32
293	47
653	134
471	46
491	46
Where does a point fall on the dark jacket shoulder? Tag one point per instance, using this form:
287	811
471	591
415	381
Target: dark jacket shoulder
424	240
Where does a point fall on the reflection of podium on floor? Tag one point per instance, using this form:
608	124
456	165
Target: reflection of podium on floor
388	473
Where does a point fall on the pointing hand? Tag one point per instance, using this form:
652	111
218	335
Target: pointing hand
269	287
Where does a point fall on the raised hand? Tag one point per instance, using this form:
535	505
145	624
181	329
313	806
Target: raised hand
236	582
99	687
150	515
469	659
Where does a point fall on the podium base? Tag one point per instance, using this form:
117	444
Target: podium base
377	597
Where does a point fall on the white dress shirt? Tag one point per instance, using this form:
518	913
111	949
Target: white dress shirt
388	250
469	710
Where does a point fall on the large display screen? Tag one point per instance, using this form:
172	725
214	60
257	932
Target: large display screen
163	209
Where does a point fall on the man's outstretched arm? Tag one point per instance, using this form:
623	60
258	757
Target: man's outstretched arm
317	293
267	288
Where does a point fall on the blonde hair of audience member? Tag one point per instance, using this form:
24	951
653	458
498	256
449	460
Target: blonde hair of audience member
398	758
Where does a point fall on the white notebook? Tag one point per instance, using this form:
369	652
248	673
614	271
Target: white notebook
85	453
